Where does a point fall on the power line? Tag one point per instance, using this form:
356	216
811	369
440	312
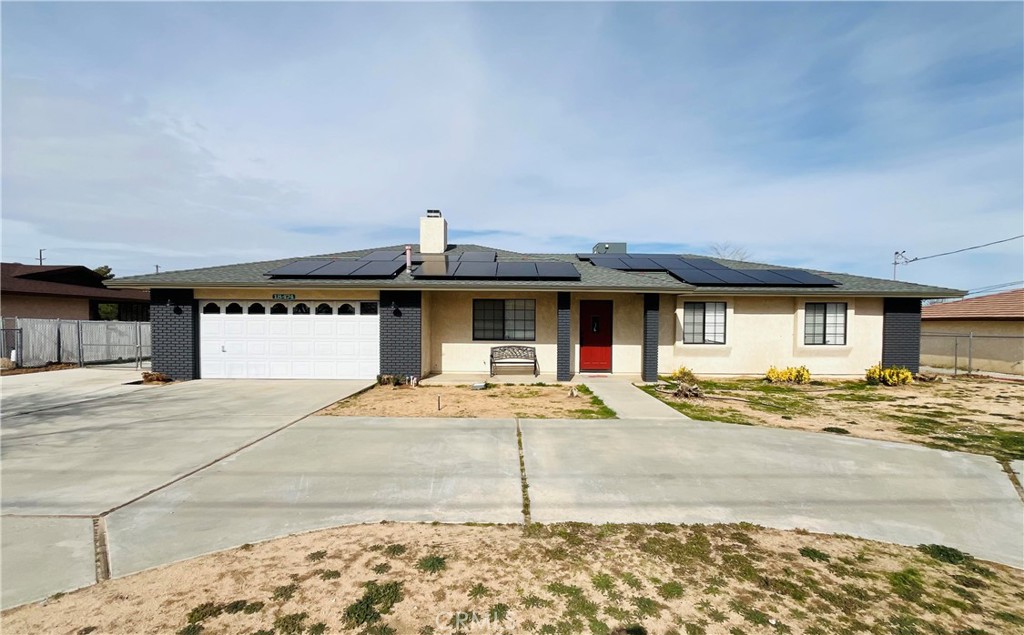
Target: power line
995	287
900	258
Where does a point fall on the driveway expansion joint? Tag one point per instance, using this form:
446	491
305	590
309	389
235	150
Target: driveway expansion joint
99	537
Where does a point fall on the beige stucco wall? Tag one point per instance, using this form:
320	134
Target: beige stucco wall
767	331
301	293
450	324
41	306
998	346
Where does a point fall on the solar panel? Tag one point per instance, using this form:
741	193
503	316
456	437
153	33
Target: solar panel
378	269
557	271
384	255
517	270
806	278
435	269
670	262
476	270
695	276
766	276
637	263
299	268
703	263
610	263
478	256
338	268
732	276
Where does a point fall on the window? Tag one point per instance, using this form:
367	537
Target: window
346	309
211	307
300	309
257	309
704	323
368	308
825	323
324	309
278	309
512	320
234	309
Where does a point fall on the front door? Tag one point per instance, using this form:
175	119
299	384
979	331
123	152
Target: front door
596	335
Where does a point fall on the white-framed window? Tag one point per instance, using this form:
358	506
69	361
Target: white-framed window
825	324
704	323
509	320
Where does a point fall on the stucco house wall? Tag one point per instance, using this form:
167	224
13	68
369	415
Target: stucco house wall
998	345
766	331
41	306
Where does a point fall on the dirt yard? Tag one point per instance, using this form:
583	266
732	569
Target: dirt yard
983	416
39	369
537	401
400	579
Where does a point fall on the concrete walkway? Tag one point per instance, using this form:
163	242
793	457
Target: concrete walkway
634	470
628	401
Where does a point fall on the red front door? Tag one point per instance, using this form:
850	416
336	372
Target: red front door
596	335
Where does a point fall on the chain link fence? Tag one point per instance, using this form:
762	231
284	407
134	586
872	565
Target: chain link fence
973	353
33	342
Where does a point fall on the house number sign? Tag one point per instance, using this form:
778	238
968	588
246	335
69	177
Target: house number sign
284	296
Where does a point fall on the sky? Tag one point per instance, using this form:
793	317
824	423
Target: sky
824	136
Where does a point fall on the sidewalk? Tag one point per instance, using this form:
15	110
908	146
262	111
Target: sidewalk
628	401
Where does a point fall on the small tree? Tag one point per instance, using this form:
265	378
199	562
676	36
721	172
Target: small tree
730	251
105	271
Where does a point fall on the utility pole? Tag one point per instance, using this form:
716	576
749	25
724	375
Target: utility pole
41	257
896	256
157	268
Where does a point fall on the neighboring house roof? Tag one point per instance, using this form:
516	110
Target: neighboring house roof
1008	305
592	277
71	281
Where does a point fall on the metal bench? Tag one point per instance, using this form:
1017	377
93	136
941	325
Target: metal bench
514	355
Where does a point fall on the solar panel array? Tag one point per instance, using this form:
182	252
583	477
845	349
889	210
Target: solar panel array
707	272
470	265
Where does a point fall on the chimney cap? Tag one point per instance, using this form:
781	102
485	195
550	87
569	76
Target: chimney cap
433	213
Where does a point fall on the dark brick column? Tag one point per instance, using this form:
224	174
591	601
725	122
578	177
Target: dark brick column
174	315
649	370
401	333
564	351
901	333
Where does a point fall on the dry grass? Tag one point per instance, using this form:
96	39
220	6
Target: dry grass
982	416
571	578
536	401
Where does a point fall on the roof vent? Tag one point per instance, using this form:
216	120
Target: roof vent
610	248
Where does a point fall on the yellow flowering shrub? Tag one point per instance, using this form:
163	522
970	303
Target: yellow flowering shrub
891	376
684	375
788	375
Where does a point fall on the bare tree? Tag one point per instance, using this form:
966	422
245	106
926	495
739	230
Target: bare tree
730	251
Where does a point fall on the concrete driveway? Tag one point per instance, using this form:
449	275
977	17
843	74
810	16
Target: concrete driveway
78	444
643	470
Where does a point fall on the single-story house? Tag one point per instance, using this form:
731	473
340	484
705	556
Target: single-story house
434	307
66	292
984	333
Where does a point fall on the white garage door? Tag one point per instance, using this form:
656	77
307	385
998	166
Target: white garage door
289	340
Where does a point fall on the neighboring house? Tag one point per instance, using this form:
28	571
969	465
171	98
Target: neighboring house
443	307
986	333
70	292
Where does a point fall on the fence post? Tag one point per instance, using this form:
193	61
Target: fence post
970	353
60	350
81	346
138	346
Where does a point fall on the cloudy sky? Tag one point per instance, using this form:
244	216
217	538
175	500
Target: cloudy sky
824	136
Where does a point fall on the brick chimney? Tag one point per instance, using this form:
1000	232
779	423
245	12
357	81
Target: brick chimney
433	233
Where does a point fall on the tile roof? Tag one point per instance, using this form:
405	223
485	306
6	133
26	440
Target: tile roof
592	277
1008	305
73	281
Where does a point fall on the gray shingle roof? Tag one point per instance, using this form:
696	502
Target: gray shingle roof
251	274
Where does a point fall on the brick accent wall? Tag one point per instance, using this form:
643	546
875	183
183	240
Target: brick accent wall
564	354
652	313
901	333
174	314
401	333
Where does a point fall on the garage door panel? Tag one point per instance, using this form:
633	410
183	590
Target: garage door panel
287	346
